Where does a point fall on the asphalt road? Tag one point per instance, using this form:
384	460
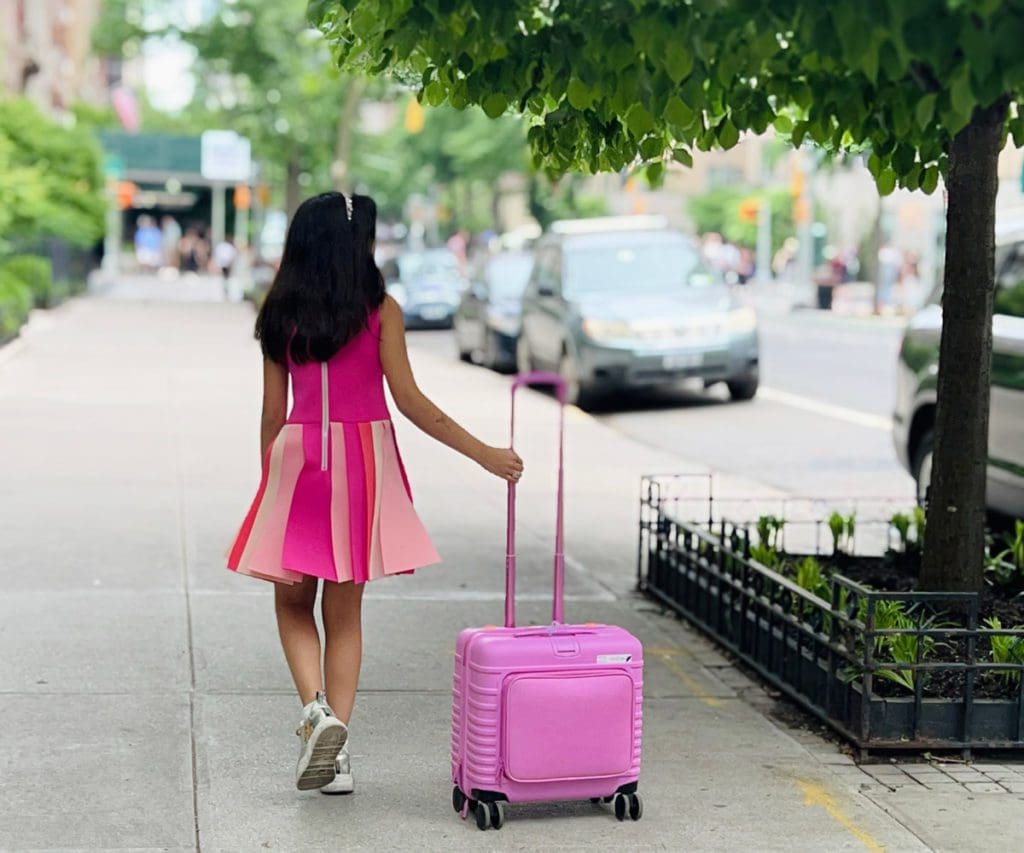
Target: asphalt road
819	427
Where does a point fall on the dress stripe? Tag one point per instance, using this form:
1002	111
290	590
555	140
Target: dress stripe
369	475
378	432
340	534
267	541
356	502
307	540
250	517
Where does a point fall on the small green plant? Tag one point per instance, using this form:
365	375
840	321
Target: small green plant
1006	567
842	527
811	577
901	523
766	556
1007	650
902	648
769	531
920	519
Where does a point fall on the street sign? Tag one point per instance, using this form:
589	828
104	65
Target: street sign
225	156
113	166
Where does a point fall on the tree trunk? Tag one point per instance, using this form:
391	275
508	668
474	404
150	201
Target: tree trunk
341	168
872	268
955	540
292	190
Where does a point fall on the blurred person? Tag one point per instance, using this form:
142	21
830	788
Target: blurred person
910	282
785	258
224	256
170	237
458	244
328	329
188	259
890	261
147	244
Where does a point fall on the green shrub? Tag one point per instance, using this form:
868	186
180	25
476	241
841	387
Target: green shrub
15	303
36	273
1005	649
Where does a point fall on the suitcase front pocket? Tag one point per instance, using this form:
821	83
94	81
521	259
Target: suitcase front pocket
560	726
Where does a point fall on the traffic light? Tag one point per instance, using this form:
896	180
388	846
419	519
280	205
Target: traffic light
414	117
749	208
125	194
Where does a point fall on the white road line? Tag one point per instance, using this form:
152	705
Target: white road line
839	413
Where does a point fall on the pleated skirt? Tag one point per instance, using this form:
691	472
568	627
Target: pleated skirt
334	505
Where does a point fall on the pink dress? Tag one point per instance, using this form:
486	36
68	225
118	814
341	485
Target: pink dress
334	501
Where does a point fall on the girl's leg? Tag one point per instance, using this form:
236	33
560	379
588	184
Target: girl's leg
342	611
300	639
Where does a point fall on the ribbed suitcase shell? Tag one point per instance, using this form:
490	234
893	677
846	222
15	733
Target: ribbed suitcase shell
575	737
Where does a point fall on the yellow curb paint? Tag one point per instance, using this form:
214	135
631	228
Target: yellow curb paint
667	656
816	795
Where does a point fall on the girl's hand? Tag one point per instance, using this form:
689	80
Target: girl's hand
502	462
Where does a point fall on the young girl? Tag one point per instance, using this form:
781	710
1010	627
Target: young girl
334	503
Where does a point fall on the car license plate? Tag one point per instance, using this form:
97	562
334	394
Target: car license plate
682	360
434	312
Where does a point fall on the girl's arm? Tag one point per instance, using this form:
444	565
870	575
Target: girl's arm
275	403
414	404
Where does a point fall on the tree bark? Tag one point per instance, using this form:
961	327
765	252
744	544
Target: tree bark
955	534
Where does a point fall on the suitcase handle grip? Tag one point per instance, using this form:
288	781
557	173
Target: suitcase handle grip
558	592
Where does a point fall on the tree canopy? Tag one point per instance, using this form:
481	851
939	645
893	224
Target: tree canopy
614	83
50	181
924	88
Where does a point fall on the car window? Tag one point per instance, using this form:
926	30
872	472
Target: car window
1010	283
420	264
626	265
545	273
506	275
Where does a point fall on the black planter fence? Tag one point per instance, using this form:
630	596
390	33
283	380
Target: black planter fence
832	652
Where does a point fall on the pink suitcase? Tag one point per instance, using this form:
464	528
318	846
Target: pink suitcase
545	713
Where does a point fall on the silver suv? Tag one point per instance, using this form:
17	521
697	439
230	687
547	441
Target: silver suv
625	302
914	419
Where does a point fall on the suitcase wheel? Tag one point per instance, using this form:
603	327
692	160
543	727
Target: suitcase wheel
630	804
489	815
458	799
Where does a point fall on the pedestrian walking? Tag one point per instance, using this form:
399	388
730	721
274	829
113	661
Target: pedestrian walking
224	256
333	503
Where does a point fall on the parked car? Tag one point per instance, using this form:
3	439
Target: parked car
914	418
625	302
428	286
487	319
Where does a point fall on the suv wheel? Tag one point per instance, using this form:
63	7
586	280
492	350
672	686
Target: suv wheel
922	466
744	388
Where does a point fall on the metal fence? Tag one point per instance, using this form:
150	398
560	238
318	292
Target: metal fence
857	658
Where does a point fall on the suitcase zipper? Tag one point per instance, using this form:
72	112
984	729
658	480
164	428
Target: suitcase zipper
325	423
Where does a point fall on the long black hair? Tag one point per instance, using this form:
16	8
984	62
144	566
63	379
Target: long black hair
328	282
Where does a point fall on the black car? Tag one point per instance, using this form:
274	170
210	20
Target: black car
427	285
487	319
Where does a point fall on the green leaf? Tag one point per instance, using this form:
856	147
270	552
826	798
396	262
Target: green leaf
678	113
728	135
678	60
874	164
434	93
639	121
961	97
578	94
924	110
494	105
930	179
654	173
886	181
681	155
1016	128
783	123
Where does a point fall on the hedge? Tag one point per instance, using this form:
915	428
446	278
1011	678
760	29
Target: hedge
15	302
37	273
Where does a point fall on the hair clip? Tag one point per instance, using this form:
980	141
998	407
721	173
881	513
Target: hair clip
348	207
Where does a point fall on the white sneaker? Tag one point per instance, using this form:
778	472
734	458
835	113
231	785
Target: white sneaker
323	736
343	782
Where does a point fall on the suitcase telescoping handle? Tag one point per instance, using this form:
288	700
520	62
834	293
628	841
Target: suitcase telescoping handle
557	604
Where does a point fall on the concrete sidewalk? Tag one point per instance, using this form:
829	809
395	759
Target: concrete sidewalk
145	701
